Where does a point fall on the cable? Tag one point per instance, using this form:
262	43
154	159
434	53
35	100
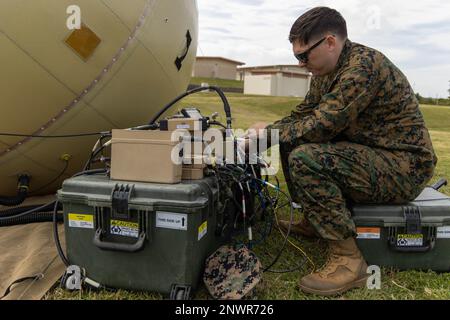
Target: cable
36	217
96	151
297	247
267	269
56	236
22	193
38	209
90	172
66	165
48	137
219	91
216	123
15	211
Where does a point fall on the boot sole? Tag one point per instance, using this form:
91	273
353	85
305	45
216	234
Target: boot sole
355	284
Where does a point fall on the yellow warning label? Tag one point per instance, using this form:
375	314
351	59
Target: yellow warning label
127	224
410	240
202	230
125	228
78	220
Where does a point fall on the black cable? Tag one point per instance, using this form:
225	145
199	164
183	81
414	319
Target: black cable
46	137
16	200
35	217
22	193
66	165
226	105
22	214
267	269
216	123
94	153
90	172
15	211
56	236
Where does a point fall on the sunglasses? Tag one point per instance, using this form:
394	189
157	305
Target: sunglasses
303	57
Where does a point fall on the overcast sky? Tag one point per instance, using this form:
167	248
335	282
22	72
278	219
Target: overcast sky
414	35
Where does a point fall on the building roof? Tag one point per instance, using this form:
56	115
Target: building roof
303	75
275	68
220	58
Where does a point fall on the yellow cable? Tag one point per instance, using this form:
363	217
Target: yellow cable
295	246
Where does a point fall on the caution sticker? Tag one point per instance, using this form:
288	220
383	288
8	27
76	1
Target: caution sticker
202	230
368	233
409	240
84	221
443	232
125	228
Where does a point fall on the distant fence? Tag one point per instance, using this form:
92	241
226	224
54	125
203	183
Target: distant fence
224	89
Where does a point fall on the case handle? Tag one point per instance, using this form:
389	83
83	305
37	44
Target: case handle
113	246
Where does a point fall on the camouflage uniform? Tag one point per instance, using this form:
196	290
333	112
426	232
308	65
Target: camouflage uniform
359	136
232	272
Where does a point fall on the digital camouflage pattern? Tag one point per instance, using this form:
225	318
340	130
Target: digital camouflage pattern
232	272
359	136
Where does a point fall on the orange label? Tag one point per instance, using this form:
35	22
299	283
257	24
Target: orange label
368	233
368	230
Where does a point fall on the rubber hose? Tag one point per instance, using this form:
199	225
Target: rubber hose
16	200
31	218
18	210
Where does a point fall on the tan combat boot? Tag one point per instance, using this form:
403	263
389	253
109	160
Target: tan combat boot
345	269
301	228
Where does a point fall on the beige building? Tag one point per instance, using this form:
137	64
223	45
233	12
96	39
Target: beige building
216	68
278	80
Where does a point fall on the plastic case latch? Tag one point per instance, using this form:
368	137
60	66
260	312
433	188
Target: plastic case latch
120	199
413	220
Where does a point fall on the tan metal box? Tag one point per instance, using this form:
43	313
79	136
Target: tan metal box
183	124
190	173
144	156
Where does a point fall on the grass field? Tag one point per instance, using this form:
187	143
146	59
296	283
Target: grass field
395	285
218	82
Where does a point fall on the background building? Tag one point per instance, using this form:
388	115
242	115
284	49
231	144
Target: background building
277	80
216	68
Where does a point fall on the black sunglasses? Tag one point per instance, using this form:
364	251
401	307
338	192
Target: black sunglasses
303	57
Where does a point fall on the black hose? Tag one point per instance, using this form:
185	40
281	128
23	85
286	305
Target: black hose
30	218
28	212
22	193
226	105
19	210
56	235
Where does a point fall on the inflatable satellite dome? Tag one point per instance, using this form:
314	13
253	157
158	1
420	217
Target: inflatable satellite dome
122	64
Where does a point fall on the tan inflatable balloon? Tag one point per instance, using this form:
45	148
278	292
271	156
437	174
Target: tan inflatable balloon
119	66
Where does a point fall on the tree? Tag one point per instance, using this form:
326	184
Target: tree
449	89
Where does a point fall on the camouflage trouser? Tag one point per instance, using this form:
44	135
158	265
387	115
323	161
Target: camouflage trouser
325	178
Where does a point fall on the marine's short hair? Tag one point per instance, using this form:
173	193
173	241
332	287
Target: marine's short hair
316	23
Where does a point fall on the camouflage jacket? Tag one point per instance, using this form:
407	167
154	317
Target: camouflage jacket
367	100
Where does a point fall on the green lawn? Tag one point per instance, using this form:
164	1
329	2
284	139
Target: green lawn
223	83
395	285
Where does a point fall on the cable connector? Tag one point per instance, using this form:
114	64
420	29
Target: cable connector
65	157
24	182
